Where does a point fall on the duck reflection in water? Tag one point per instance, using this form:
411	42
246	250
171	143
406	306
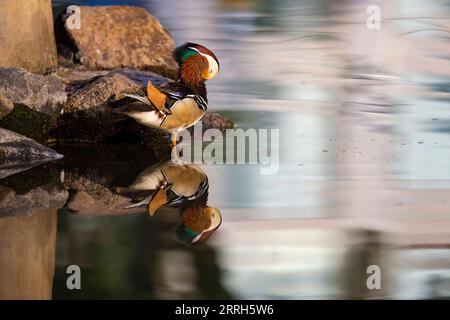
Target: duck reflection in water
183	186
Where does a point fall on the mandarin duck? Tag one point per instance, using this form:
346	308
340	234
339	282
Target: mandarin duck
176	106
180	186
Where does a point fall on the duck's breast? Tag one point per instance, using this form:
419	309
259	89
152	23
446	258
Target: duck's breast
185	179
185	113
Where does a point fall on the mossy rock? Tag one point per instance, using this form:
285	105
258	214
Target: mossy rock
32	124
25	181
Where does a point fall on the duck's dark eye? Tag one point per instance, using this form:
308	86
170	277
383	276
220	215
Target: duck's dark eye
210	70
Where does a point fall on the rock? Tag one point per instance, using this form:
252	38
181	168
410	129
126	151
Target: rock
44	197
31	191
37	102
216	121
27	38
16	150
6	195
45	94
24	181
111	37
109	204
93	176
108	88
6	106
78	74
30	123
9	171
105	89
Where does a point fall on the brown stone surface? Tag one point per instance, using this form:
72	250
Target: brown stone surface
29	191
100	91
37	101
217	121
45	94
85	203
26	36
43	197
121	36
6	195
91	93
6	106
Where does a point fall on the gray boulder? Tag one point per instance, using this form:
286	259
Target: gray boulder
17	150
43	197
32	191
45	94
37	101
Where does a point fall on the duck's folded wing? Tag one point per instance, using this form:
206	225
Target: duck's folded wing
173	91
143	202
142	97
159	199
154	201
176	90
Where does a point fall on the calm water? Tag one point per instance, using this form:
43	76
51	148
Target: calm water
364	176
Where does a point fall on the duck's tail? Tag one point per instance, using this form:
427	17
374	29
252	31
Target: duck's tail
154	201
140	98
140	203
152	97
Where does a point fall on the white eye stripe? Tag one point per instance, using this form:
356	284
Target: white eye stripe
213	66
194	49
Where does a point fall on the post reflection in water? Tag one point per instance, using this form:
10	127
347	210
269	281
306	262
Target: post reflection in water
27	256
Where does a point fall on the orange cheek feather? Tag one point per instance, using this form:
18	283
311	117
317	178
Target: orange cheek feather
205	73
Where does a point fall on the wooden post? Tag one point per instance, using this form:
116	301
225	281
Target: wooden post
27	251
26	35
